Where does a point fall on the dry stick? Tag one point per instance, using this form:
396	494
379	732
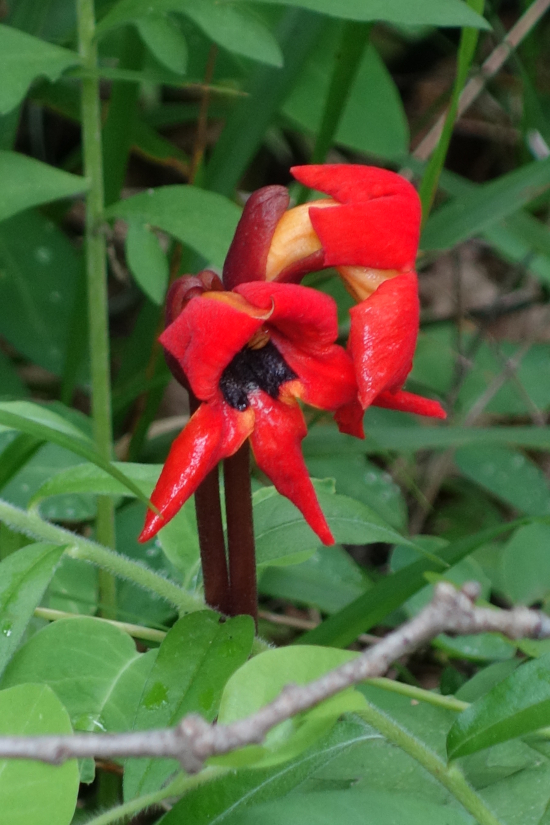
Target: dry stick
193	740
489	68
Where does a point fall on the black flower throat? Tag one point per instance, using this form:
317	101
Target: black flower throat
254	369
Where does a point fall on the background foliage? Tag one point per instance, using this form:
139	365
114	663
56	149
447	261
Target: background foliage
202	102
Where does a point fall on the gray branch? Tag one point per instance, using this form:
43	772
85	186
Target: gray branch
193	740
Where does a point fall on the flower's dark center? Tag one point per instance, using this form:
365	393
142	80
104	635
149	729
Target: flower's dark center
254	369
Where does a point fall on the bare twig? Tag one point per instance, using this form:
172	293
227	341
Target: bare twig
489	68
193	740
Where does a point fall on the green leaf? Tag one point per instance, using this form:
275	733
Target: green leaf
235	29
27	182
470	214
516	706
235	792
147	261
85	662
43	423
39	272
525	564
164	39
412	12
16	455
32	793
22	59
508	474
262	678
328	580
89	478
194	662
281	531
231	27
328	806
390	592
24	576
205	221
373	120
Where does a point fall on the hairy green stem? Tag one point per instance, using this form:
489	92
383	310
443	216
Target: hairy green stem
96	273
450	776
80	548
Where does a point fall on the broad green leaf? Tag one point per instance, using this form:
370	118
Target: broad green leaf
481	647
469	215
147	261
350	806
262	678
412	12
22	59
359	478
485	679
516	706
373	120
231	27
162	36
24	576
43	423
194	662
525	564
89	478
508	474
27	182
203	220
16	455
83	661
180	543
398	439
32	793
73	588
282	532
39	273
234	28
392	591
328	580
234	793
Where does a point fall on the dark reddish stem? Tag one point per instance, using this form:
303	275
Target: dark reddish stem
240	534
211	538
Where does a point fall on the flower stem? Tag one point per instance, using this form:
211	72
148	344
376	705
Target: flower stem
211	538
96	273
240	534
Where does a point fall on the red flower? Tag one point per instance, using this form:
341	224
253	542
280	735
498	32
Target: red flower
251	352
249	355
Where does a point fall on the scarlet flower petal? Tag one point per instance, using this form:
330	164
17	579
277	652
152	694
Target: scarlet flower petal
327	379
383	336
304	316
275	442
213	433
247	256
378	222
205	337
408	402
349	419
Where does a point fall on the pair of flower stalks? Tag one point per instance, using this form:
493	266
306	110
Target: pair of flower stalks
251	346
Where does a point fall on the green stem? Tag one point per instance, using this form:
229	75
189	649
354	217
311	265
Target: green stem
430	180
136	631
420	695
449	776
181	785
79	548
347	61
96	272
